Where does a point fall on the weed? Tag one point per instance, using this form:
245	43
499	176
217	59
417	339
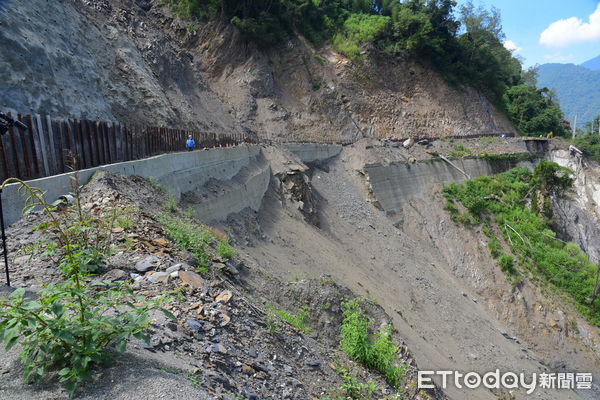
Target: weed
317	84
272	322
459	151
195	379
495	248
224	249
69	326
170	205
378	354
125	218
191	237
298	321
353	389
154	183
190	213
320	59
507	264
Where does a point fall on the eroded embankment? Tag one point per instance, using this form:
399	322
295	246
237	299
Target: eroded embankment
448	298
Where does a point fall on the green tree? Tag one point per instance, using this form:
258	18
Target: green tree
533	111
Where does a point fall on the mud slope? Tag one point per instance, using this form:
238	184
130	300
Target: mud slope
437	295
137	62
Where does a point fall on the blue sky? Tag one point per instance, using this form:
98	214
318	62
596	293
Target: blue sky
565	31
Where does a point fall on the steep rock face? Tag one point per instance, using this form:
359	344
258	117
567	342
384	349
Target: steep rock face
137	62
579	215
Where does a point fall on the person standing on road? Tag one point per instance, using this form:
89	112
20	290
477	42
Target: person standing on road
190	143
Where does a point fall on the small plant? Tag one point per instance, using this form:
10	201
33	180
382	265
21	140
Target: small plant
195	379
317	83
69	326
154	183
170	205
191	237
495	248
320	59
353	389
125	218
190	213
272	322
507	264
224	249
378	354
298	321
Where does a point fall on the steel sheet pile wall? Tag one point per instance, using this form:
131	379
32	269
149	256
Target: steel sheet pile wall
50	146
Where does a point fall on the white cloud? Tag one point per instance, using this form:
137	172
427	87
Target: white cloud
572	30
512	46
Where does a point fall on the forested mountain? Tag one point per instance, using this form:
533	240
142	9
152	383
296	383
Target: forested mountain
577	89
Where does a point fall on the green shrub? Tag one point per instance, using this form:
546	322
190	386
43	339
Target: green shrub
495	248
359	29
507	264
71	323
378	354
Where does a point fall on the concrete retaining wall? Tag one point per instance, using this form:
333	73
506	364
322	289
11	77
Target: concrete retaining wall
396	183
175	171
237	197
313	152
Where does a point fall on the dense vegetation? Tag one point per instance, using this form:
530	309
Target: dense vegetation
577	88
515	209
589	144
466	49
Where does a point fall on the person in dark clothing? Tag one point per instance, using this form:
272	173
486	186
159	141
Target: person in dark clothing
190	143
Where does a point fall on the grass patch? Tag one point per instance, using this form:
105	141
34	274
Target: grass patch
460	151
320	59
224	249
170	205
298	321
375	351
201	240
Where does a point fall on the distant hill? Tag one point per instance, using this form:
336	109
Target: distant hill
577	88
593	64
